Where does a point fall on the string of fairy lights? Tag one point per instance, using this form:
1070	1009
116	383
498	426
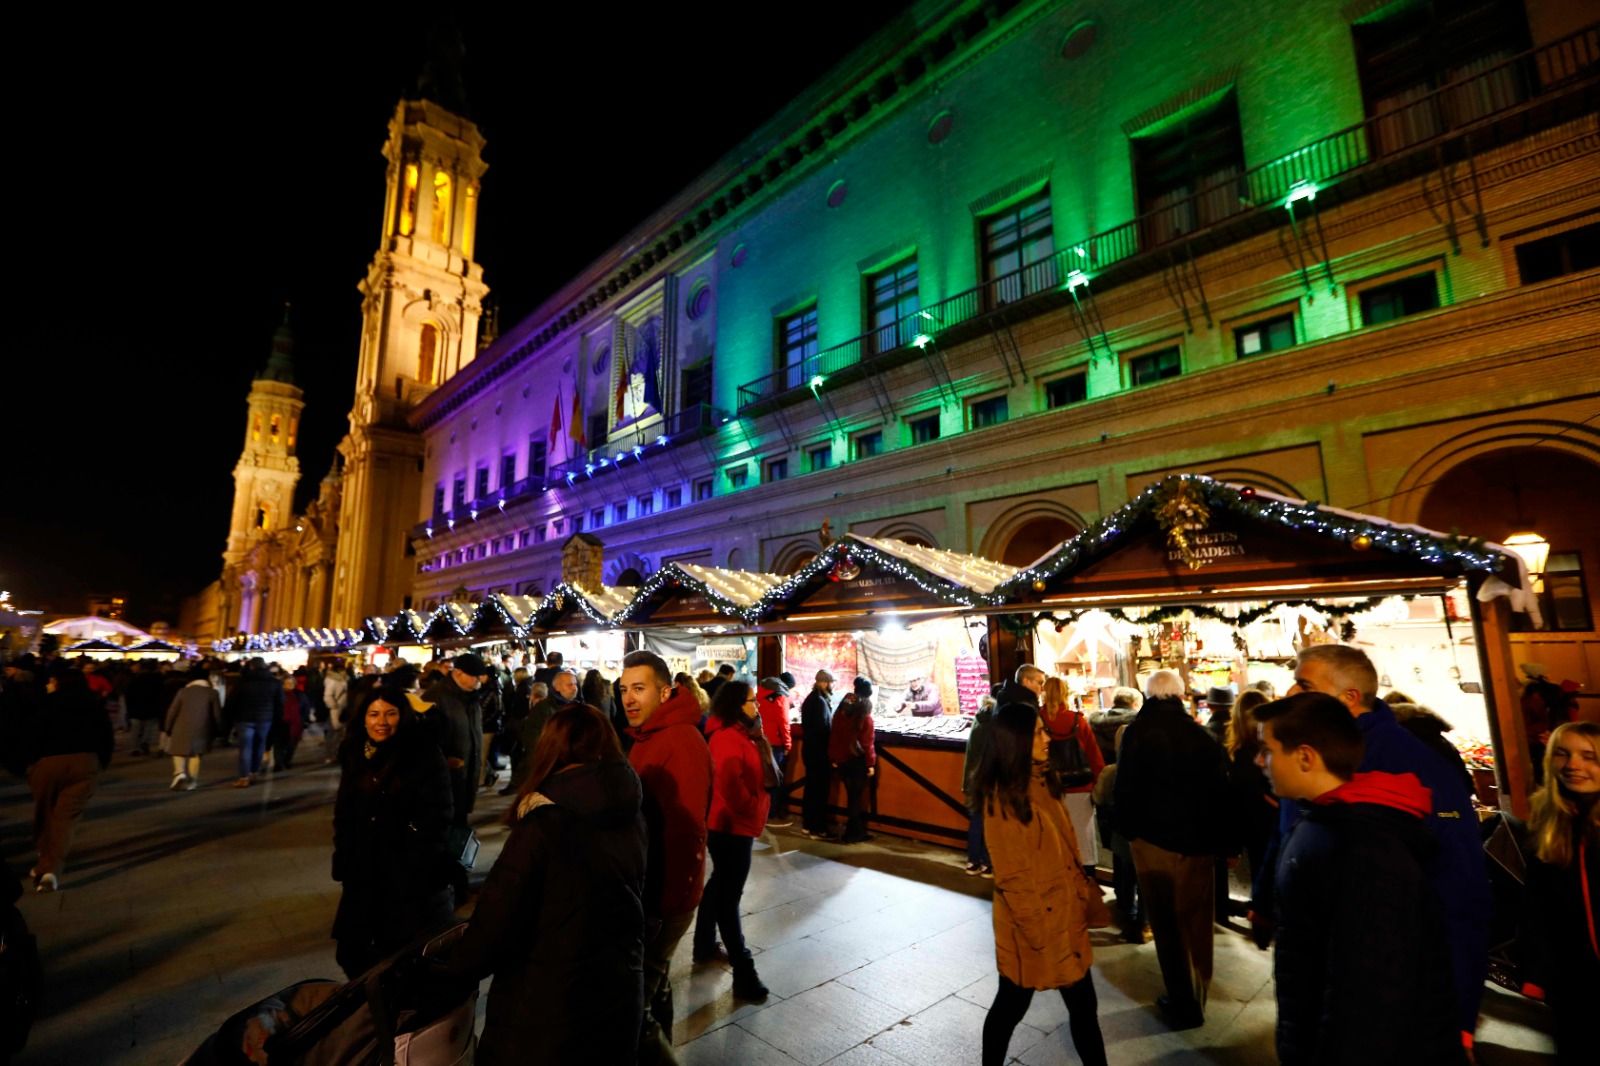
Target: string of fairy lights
1178	506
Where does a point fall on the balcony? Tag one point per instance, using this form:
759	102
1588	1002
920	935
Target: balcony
638	442
1548	85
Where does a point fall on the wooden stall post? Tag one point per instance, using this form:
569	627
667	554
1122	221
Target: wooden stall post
1007	650
769	655
1491	624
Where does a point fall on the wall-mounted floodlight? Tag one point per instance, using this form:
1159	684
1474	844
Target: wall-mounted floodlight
1300	190
816	382
1076	279
921	340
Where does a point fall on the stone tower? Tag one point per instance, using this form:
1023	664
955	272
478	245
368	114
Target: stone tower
265	477
421	302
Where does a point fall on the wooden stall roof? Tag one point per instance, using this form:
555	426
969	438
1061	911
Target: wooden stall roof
1188	536
690	594
570	606
406	627
450	623
503	616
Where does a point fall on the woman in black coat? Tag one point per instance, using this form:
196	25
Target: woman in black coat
560	922
390	823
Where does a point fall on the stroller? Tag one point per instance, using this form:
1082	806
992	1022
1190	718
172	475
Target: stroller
392	1015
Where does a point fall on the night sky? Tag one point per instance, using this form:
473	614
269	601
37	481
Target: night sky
172	183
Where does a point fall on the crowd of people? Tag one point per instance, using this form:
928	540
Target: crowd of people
1369	876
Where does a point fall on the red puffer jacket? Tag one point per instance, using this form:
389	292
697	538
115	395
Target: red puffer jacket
850	727
738	801
673	764
774	717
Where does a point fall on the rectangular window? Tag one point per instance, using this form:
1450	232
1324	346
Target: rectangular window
1406	52
1062	392
438	498
536	458
524	538
645	504
577	523
1270	335
776	470
597	518
596	429
1018	249
508	470
480	483
1155	366
924	428
673	498
987	412
797	347
819	457
702	489
459	489
1565	596
539	533
891	300
1559	254
695	386
619	511
866	445
1184	169
1397	299
738	476
559	526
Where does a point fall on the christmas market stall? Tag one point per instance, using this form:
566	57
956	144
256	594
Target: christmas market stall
899	615
575	621
94	648
158	650
1227	583
693	616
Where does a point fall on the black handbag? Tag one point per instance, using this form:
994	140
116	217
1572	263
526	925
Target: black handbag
1069	760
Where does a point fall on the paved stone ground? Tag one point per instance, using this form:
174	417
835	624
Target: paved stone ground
179	908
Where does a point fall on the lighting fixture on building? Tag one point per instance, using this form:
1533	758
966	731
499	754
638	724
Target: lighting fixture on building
1300	190
816	382
1082	251
1076	279
451	522
1535	552
428	530
473	514
662	440
921	340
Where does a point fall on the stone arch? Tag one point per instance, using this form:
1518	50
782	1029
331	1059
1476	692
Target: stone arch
1258	479
1410	493
910	532
794	555
1027	524
628	569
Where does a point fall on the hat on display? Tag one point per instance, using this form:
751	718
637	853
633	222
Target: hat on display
471	665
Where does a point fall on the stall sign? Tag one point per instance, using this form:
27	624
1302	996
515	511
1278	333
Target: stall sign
719	652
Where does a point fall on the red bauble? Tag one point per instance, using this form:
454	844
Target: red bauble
1247	493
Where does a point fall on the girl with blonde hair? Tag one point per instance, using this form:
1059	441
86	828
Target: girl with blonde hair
1560	945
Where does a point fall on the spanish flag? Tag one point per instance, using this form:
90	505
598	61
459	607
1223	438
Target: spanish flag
575	423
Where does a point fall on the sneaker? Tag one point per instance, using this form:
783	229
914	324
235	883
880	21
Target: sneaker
987	871
177	782
47	883
190	785
783	824
972	869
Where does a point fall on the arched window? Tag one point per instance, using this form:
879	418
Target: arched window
469	221
255	428
294	428
442	187
408	201
428	354
261	516
275	428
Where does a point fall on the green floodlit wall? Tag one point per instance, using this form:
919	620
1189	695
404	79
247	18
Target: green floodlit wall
1022	111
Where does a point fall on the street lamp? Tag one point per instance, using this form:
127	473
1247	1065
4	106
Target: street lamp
1535	552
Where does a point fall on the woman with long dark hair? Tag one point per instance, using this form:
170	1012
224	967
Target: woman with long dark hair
560	921
1561	952
1043	901
739	803
391	819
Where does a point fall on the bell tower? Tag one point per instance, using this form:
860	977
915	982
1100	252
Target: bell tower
265	477
422	299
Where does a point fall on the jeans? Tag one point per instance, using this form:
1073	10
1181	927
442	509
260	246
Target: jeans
719	904
1011	1003
854	775
655	1040
252	745
814	801
977	850
779	792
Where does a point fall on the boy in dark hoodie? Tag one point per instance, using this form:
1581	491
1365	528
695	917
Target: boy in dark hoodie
1362	966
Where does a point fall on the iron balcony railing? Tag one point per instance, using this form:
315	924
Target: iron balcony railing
1502	99
680	427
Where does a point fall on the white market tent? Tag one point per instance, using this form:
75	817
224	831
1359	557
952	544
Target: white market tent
93	627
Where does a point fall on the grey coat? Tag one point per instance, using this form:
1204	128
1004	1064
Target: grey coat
194	717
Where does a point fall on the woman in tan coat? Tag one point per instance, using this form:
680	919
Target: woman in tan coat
1043	901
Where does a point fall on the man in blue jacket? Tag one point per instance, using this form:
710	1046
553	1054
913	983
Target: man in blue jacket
1459	874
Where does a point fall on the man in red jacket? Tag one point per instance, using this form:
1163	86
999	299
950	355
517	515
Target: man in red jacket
673	763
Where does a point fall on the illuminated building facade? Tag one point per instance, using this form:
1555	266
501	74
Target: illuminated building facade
1013	261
